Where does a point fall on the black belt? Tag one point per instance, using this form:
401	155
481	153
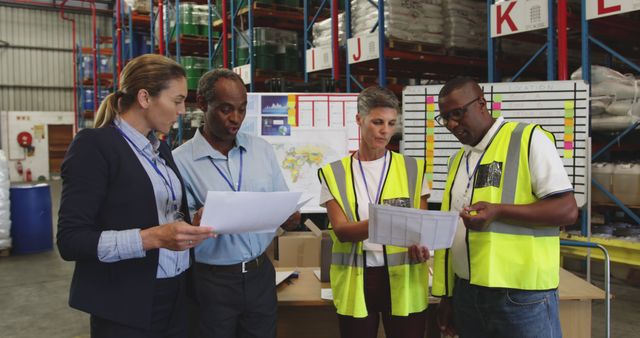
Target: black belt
242	267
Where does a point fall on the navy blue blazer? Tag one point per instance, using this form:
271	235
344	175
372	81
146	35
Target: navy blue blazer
105	187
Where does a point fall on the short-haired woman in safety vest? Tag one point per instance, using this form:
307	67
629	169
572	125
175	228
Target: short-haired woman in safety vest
371	280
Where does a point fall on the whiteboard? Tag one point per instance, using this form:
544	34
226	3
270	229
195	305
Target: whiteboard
561	107
307	131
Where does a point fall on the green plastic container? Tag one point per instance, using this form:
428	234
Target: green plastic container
265	61
242	52
186	13
217	62
192	83
189	62
188	29
290	64
203	30
193	72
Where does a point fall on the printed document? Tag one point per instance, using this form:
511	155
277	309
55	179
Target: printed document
405	227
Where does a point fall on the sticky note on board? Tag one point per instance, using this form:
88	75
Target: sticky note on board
497	97
569	105
431	115
568	137
431	107
291	111
568	122
568	129
568	154
430	99
430	123
430	139
430	146
568	145
496	105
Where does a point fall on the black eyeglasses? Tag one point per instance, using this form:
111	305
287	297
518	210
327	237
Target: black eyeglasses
454	114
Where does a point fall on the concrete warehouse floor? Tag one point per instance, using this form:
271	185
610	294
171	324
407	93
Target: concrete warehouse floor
34	293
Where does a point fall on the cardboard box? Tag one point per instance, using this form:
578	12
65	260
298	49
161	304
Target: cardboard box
300	249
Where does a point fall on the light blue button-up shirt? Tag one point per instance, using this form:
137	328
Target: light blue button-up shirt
115	246
260	172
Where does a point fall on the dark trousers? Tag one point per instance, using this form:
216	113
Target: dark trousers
377	295
236	304
168	320
481	312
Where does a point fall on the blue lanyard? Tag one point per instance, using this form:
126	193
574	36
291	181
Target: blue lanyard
364	178
168	182
225	176
472	175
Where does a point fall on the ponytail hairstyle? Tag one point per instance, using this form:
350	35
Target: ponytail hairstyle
151	72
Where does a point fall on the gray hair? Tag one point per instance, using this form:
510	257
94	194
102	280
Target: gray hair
207	83
376	97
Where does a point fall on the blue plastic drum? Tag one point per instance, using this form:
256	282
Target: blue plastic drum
31	227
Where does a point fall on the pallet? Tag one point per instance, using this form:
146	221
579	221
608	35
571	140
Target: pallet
5	252
370	79
275	73
276	7
464	52
413	46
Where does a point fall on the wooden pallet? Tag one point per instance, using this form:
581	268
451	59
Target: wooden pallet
276	7
370	79
275	73
414	46
464	52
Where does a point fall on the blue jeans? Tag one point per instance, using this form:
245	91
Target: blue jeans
496	312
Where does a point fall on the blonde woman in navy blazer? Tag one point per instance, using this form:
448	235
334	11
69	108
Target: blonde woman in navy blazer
123	214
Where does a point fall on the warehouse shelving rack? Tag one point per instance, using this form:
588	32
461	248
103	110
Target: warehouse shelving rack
78	117
621	251
548	46
395	62
252	15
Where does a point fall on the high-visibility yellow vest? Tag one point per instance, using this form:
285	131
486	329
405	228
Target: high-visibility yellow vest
503	255
408	280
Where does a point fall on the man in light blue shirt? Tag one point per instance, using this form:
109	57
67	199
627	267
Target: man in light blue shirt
235	282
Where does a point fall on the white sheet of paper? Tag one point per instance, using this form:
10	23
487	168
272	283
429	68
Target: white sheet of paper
281	276
405	226
317	273
244	211
304	199
326	294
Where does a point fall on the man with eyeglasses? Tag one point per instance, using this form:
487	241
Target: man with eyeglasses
500	277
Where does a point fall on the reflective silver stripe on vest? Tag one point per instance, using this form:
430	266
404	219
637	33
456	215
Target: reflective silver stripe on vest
341	182
348	259
411	165
399	258
510	174
504	228
509	184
